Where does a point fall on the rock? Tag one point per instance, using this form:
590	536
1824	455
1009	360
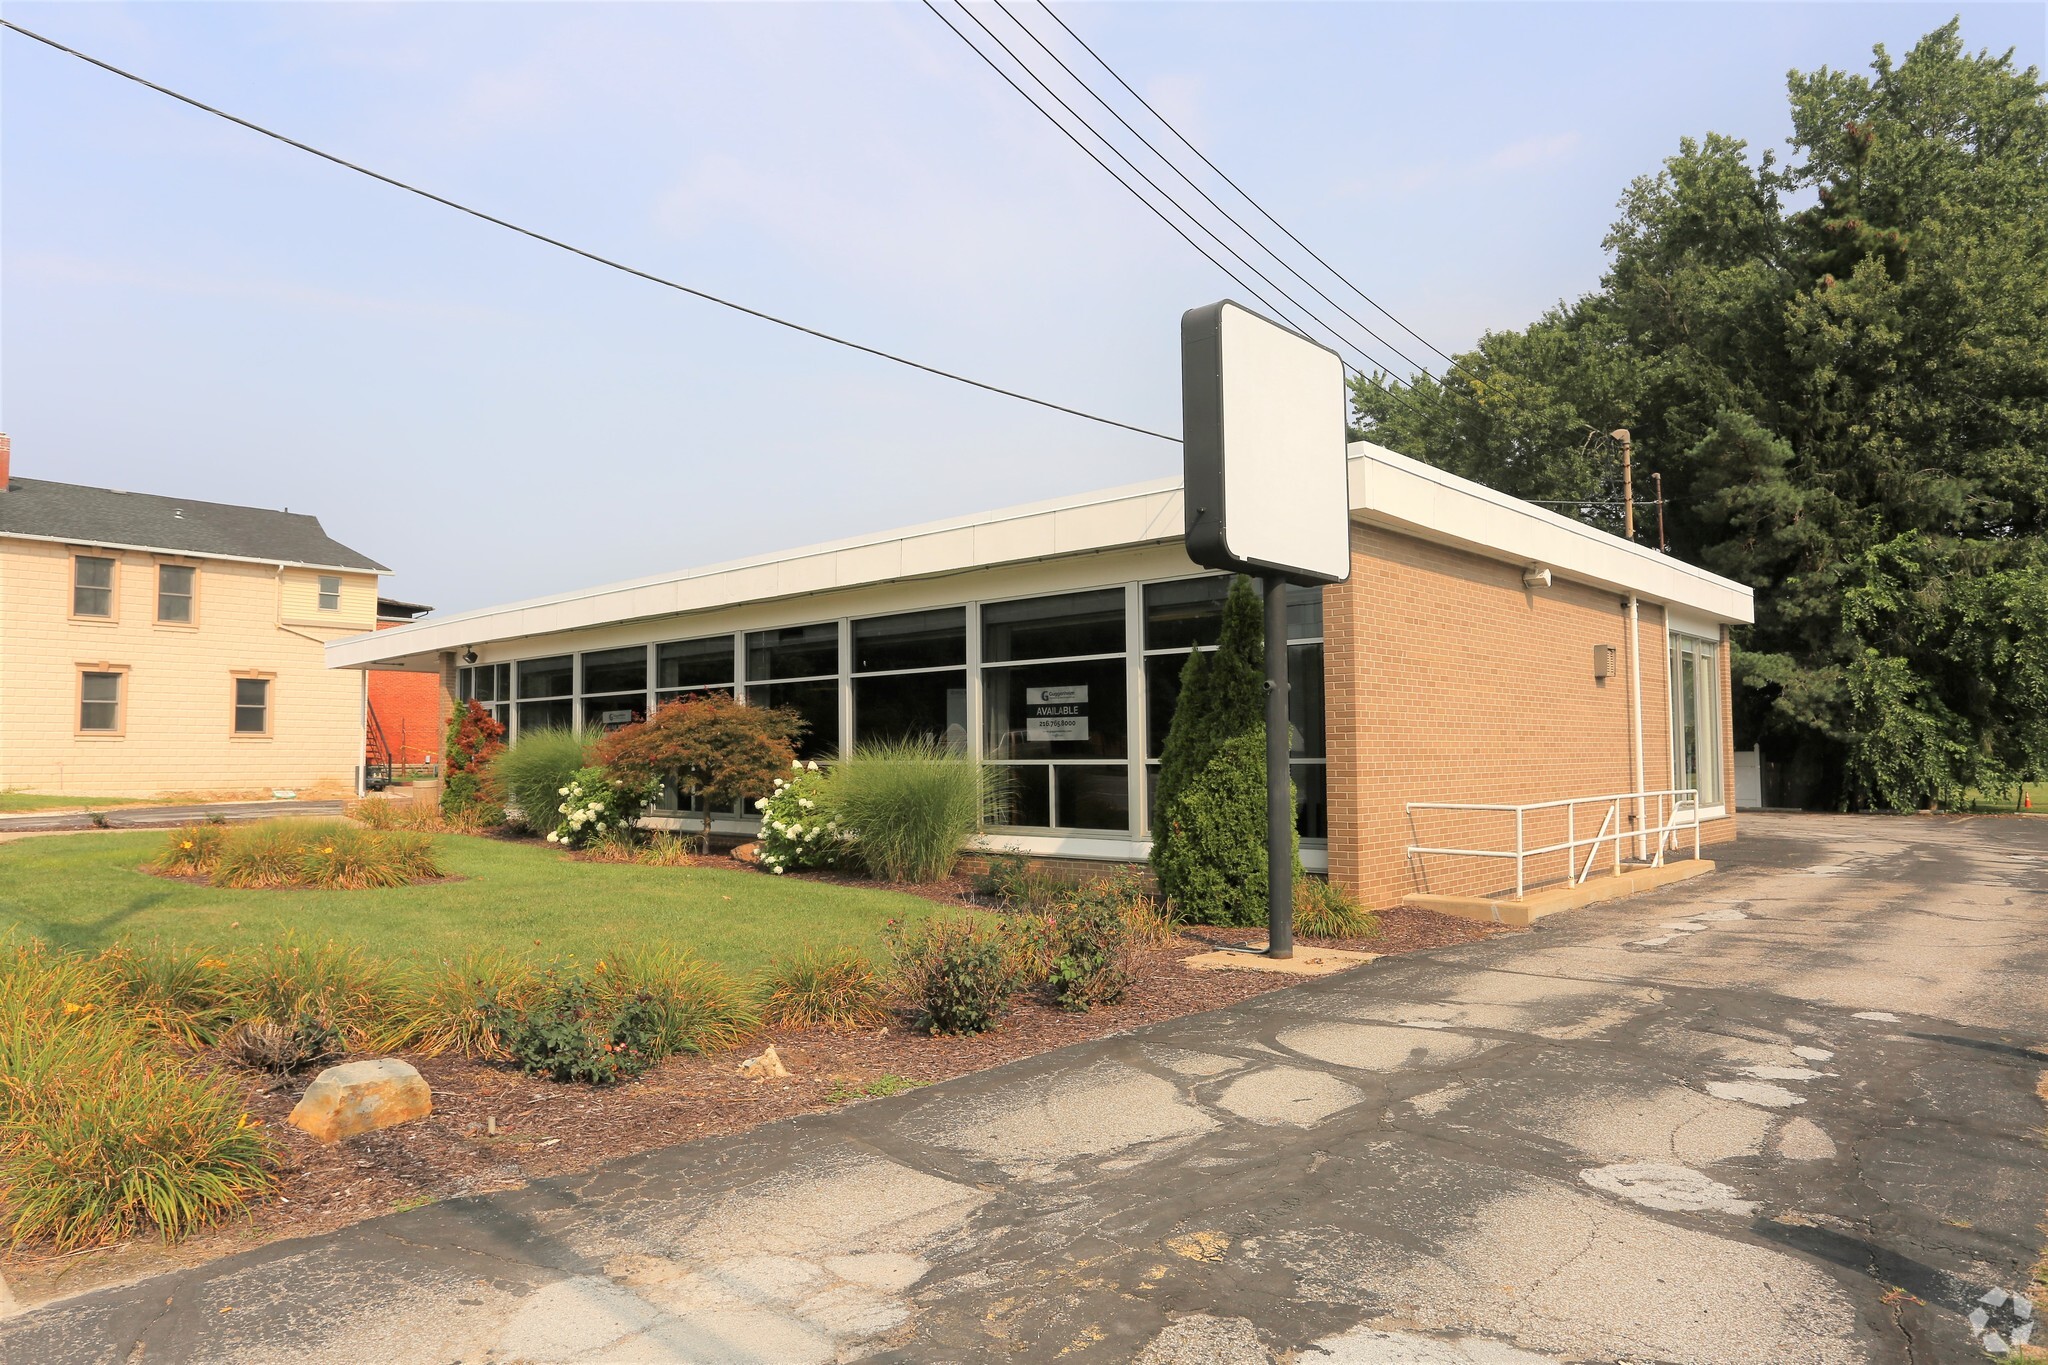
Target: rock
362	1097
761	1068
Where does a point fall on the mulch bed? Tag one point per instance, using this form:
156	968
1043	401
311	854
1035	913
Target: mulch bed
546	1129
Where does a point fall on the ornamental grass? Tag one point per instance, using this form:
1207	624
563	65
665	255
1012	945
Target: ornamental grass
448	1006
104	1129
337	982
837	988
275	855
912	806
697	1006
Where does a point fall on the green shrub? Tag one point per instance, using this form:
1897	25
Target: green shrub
798	831
178	992
1209	809
911	805
692	1005
837	988
263	854
1323	910
956	972
339	982
533	771
1095	963
593	805
1124	894
103	1130
569	1034
452	1006
190	851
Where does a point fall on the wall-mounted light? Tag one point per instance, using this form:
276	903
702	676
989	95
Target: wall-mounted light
1535	576
469	656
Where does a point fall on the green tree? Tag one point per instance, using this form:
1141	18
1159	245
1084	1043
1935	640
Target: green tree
1848	401
1209	811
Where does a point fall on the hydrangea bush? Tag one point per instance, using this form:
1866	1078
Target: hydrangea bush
595	802
797	827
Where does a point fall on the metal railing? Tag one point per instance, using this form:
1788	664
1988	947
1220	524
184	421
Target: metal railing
1676	810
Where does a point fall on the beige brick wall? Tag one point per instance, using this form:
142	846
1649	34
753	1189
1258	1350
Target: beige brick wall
1447	680
177	703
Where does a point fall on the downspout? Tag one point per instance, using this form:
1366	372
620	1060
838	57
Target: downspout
1635	687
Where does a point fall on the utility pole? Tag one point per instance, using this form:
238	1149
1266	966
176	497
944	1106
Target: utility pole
1628	482
1663	547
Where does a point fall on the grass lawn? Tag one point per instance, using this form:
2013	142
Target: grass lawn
20	801
84	891
2001	804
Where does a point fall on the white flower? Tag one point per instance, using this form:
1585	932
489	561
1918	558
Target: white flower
813	766
778	871
760	803
554	838
797	764
804	801
563	792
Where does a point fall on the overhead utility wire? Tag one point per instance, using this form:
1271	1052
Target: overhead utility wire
1139	195
587	255
1227	215
1167	124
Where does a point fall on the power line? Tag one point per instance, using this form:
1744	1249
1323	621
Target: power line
580	251
1132	189
1168	125
1206	197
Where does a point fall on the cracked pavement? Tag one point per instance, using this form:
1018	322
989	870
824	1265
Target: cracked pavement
1786	1112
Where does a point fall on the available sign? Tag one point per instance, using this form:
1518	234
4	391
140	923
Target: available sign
1059	714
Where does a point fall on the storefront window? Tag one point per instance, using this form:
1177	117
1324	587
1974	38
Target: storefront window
1060	724
490	686
546	688
910	684
684	666
615	686
778	662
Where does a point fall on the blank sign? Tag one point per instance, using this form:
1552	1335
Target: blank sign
1263	433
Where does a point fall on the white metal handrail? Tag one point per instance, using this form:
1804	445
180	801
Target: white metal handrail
1677	808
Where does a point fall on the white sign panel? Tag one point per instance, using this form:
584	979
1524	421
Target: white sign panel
1263	436
1059	714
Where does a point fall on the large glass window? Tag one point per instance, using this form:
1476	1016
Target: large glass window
488	685
1059	724
1185	616
92	586
683	666
777	664
615	686
546	693
174	593
909	682
1696	716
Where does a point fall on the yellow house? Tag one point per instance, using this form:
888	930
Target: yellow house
157	646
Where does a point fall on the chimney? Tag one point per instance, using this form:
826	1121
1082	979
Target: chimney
6	448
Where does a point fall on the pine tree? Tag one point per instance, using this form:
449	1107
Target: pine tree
1209	814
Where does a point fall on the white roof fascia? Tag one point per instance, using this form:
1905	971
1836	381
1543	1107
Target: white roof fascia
1386	489
1421	500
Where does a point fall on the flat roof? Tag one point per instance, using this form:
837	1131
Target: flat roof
1387	489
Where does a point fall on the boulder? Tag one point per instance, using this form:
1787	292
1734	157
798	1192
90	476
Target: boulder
361	1097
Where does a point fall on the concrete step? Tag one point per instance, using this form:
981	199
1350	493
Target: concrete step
1521	912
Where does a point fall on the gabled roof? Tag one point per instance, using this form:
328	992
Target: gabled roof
39	509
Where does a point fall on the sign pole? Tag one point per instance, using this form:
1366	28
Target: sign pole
1279	783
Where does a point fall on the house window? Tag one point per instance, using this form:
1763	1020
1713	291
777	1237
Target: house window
330	592
910	678
1696	717
92	586
252	706
489	686
99	703
1185	616
174	584
547	692
1055	709
798	667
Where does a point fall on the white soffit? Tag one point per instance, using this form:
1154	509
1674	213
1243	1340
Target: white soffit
1386	489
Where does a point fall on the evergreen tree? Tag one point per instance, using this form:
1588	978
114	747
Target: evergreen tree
1209	813
1848	403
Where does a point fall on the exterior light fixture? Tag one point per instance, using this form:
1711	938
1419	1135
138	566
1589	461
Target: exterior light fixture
1536	576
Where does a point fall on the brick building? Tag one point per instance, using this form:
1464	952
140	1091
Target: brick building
405	722
1484	651
154	646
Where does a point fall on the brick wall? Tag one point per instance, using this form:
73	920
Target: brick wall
1447	680
407	707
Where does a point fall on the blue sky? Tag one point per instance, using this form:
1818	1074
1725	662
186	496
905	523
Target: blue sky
190	308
